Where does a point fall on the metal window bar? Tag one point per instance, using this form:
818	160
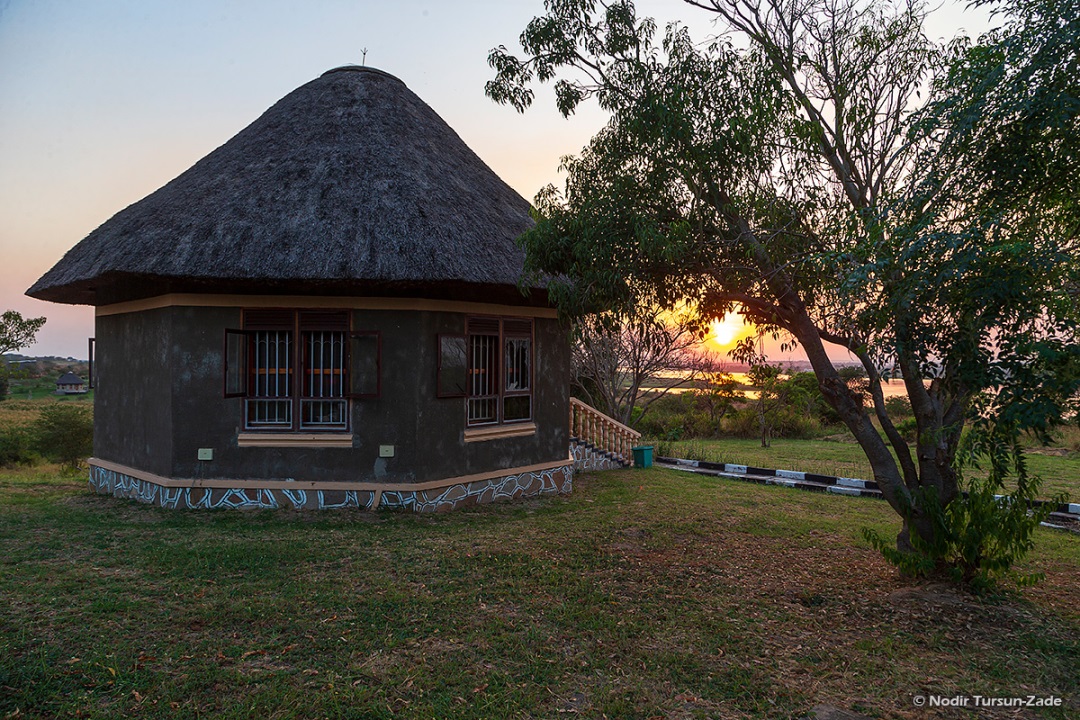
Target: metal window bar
323	404
483	403
269	404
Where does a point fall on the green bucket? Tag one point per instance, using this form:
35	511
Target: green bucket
643	456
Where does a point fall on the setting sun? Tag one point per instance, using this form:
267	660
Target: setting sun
726	331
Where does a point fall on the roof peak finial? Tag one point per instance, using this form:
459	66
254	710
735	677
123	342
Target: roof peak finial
363	61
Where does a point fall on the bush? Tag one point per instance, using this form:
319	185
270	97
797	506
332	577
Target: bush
981	533
65	433
787	423
898	408
908	428
16	447
4	385
667	417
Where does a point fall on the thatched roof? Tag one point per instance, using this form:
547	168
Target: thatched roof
348	185
69	379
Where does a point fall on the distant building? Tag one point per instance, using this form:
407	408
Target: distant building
70	384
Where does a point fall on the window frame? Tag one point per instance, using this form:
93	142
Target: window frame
239	364
91	346
482	325
440	390
508	335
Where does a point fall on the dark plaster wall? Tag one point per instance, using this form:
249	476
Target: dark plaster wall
202	417
133	390
426	431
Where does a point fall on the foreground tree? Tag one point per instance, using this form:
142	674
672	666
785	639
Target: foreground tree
788	168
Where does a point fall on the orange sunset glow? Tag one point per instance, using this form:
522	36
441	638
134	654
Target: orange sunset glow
728	330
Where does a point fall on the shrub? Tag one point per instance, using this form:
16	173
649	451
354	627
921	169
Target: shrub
65	433
898	407
908	428
667	417
980	534
787	423
16	447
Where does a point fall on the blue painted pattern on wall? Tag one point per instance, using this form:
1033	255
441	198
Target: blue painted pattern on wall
111	482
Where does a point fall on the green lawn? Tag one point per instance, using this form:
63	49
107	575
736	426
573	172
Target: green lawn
1059	473
644	594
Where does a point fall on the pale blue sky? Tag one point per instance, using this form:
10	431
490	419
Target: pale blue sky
104	101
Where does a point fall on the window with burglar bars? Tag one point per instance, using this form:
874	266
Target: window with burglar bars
297	370
270	402
323	403
483	378
499	370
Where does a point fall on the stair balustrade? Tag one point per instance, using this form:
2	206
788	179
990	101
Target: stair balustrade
587	424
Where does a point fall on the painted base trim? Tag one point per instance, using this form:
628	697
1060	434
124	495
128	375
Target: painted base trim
436	496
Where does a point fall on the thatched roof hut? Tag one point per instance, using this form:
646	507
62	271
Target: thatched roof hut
349	184
323	312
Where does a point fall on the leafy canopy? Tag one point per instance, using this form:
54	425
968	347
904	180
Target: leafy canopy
17	332
839	177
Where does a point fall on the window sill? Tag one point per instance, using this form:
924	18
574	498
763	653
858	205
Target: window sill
497	432
307	440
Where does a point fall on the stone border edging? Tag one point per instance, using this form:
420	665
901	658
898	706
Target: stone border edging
786	478
820	483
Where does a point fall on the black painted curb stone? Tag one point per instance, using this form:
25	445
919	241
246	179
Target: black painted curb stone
815	483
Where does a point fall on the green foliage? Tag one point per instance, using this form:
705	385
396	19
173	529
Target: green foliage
17	332
65	433
792	167
667	417
908	428
979	535
718	395
898	407
4	383
16	447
